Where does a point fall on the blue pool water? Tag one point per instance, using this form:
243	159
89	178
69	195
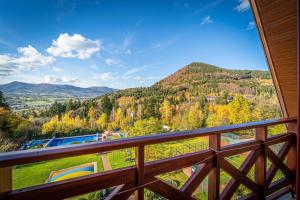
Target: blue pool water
54	142
72	140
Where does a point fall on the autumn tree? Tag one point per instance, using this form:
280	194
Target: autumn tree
166	112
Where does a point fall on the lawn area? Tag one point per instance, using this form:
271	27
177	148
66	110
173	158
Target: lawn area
118	158
37	173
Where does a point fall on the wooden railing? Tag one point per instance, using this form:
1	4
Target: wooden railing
136	178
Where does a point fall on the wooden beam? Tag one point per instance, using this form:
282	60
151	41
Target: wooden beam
214	175
5	180
166	190
260	165
193	182
279	163
140	162
120	192
236	174
233	184
274	168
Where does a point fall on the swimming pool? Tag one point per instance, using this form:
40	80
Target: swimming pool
72	140
54	142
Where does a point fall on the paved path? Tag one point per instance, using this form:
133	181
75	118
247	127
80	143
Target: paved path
105	162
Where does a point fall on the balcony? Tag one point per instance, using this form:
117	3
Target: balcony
129	180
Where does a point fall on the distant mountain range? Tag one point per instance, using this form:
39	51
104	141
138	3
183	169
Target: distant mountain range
26	95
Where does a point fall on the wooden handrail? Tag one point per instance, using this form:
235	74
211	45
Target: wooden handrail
30	156
142	175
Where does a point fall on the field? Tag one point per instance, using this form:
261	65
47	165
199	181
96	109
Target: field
37	173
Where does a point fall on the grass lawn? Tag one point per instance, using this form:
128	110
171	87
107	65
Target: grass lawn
37	173
118	159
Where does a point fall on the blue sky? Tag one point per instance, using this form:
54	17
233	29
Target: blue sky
124	43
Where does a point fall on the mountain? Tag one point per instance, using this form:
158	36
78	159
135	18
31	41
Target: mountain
198	78
200	74
26	95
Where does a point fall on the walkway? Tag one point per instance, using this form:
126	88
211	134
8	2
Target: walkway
105	162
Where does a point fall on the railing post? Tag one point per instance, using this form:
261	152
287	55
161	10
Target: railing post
5	180
292	154
214	175
260	165
140	163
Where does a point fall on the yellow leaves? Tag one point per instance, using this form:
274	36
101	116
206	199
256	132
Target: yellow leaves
63	125
166	112
102	121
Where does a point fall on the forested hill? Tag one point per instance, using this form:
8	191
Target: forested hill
201	73
203	79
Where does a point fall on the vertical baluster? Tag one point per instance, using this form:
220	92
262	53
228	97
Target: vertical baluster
140	161
292	154
214	175
5	180
260	165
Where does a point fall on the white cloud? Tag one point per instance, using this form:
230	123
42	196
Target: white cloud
28	59
251	25
64	79
206	20
107	76
243	6
75	46
56	69
109	61
132	71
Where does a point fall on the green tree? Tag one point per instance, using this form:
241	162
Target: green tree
106	105
3	101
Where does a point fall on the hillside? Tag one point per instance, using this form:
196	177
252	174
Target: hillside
204	79
201	73
27	95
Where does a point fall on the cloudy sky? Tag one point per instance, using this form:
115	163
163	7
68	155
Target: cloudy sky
122	44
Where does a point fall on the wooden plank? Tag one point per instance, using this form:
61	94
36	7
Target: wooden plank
30	156
277	25
5	180
260	165
193	182
277	185
140	162
279	193
276	139
239	148
279	163
233	184
168	191
214	175
176	163
76	186
273	168
250	196
292	154
236	174
121	193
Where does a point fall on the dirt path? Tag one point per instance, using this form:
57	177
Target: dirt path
105	162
